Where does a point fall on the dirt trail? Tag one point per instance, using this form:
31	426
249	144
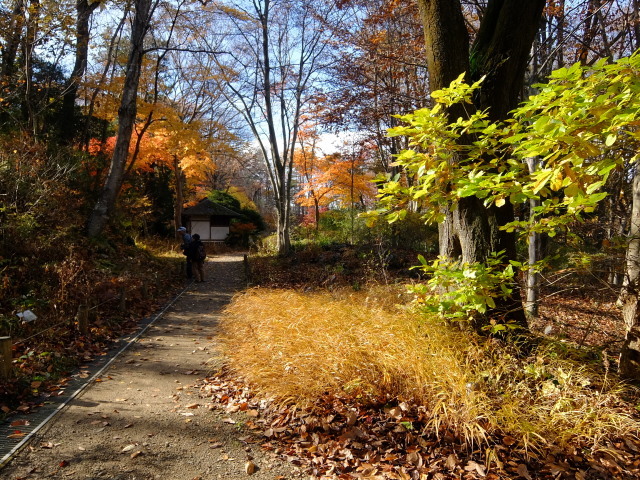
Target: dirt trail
142	420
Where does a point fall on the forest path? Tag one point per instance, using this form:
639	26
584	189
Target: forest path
142	419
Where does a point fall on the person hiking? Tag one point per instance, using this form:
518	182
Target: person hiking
197	253
186	241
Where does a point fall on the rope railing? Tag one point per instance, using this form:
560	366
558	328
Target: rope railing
18	342
82	319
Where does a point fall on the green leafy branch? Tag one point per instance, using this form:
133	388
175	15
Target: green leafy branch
459	291
582	125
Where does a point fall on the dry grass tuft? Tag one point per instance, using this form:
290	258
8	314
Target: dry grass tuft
297	347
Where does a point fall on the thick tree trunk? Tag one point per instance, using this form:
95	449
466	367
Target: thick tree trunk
10	50
447	40
284	239
500	53
630	354
126	119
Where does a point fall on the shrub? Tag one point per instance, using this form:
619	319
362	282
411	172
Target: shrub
226	199
297	347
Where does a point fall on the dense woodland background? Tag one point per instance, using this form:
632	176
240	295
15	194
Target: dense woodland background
114	116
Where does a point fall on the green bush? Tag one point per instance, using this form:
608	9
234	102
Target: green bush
225	199
348	226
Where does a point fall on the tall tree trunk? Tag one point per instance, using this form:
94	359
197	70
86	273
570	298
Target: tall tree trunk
126	118
283	204
533	277
115	38
281	187
500	53
560	25
630	354
28	47
177	210
67	120
10	50
636	24
590	30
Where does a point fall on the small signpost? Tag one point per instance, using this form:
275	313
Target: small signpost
5	357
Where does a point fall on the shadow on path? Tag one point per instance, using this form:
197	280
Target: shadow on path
140	419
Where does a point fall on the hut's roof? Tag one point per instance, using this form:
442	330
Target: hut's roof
207	207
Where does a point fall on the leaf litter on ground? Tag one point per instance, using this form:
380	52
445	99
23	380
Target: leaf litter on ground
385	442
336	438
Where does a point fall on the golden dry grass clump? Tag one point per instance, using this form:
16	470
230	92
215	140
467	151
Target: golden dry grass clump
297	346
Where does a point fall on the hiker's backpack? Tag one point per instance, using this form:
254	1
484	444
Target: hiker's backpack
202	254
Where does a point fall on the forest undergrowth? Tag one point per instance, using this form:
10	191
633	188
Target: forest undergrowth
50	268
357	385
118	282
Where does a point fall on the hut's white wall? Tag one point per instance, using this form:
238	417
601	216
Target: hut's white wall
202	226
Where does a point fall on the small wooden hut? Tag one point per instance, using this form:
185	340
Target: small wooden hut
208	219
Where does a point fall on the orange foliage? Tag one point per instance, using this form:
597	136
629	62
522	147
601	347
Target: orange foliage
164	146
161	134
329	179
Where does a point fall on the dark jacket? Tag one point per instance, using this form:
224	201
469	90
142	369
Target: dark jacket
193	249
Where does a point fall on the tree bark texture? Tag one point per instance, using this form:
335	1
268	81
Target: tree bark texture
283	205
10	50
630	354
500	52
533	277
126	119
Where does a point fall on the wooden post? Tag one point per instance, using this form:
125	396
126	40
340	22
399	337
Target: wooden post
83	319
123	300
5	357
247	269
145	290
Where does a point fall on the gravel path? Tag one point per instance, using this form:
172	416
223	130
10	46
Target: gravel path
142	420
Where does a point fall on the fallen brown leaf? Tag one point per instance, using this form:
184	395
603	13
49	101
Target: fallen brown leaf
523	471
20	423
250	467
